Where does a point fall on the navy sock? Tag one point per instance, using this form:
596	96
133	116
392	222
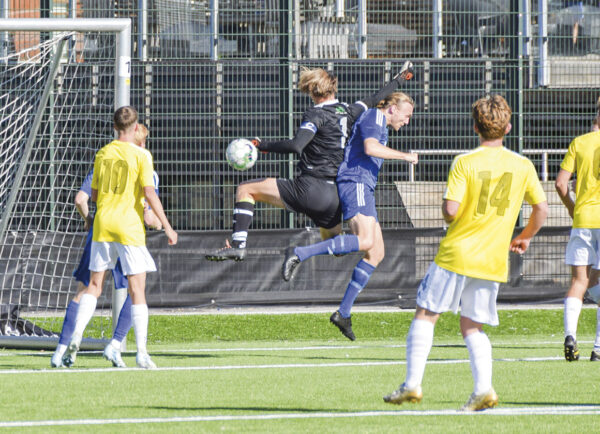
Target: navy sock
360	278
334	246
124	323
242	218
68	323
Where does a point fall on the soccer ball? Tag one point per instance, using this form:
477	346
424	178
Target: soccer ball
241	154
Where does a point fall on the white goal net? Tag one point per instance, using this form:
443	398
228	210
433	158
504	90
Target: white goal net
57	93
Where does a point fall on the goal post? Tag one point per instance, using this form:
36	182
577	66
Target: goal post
56	113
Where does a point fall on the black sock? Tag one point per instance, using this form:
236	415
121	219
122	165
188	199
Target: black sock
242	217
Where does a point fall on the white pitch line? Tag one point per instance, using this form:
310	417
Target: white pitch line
274	366
531	411
306	348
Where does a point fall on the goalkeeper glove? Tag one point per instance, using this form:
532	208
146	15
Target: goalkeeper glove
406	73
256	142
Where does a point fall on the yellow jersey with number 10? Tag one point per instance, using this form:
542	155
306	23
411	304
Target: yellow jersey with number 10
490	184
121	171
583	157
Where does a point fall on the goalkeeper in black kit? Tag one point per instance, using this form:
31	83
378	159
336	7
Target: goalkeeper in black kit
320	143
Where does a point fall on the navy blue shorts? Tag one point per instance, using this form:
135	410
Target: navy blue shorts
356	198
82	272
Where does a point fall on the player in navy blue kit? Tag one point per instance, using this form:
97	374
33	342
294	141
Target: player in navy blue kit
356	180
319	142
82	274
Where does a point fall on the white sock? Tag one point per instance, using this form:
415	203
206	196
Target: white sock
597	341
60	349
115	343
571	316
87	306
418	344
480	356
139	316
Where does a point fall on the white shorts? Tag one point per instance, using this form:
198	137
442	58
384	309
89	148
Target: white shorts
134	259
583	247
442	290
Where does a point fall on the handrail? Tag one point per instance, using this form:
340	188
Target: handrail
543	152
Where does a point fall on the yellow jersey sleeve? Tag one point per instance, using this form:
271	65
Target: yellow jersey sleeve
569	161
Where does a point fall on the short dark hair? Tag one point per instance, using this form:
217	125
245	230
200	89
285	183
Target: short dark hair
125	117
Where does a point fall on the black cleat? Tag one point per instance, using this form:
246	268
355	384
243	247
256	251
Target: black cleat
595	357
225	253
344	324
290	265
571	349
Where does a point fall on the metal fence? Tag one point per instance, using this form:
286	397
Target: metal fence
206	72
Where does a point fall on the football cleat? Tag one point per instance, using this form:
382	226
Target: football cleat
344	324
144	361
71	353
404	395
290	264
481	402
595	357
227	252
406	72
56	360
113	355
571	349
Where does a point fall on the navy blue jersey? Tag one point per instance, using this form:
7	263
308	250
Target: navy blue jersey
358	166
331	123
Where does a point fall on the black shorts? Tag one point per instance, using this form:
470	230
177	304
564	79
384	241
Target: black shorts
315	197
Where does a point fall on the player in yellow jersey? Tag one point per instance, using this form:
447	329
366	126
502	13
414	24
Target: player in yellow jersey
583	249
123	177
485	190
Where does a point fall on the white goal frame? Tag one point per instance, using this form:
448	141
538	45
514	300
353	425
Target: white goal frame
121	27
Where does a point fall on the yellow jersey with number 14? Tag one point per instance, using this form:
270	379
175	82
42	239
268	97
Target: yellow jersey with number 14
583	157
490	184
121	171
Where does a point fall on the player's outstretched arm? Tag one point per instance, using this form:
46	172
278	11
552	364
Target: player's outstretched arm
520	243
156	205
297	144
375	149
406	73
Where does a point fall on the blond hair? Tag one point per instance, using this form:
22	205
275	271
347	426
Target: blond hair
317	82
124	118
491	115
140	134
395	98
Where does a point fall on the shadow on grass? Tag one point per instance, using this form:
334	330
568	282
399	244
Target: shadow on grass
239	408
549	404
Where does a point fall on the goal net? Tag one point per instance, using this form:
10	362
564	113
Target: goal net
58	94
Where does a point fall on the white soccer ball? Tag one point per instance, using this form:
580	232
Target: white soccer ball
241	154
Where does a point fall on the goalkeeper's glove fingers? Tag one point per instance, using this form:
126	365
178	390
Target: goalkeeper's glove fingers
406	72
256	142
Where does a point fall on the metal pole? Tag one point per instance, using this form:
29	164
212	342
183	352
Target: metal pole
214	29
543	72
123	67
142	30
72	14
4	35
437	29
339	8
362	29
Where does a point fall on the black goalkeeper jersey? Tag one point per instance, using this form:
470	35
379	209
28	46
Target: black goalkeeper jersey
331	124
